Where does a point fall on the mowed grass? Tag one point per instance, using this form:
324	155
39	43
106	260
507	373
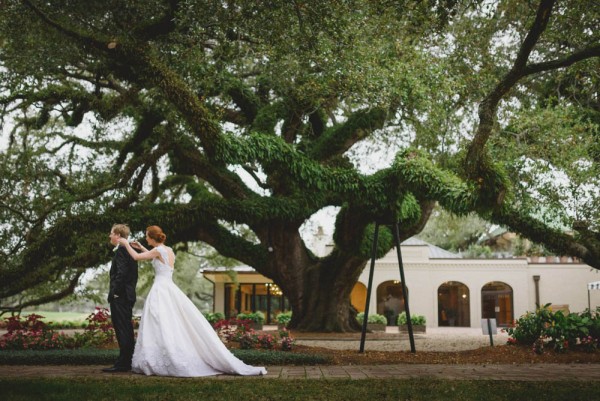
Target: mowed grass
78	317
153	388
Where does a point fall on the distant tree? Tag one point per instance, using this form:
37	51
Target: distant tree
452	232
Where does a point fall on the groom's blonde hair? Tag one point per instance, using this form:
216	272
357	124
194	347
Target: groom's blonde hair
121	229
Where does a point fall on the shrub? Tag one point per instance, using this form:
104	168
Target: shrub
373	318
555	330
259	357
266	341
528	328
232	329
416	320
248	340
257	317
287	343
99	330
93	356
213	317
80	356
284	317
32	333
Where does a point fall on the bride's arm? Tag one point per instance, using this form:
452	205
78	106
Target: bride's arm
137	246
138	256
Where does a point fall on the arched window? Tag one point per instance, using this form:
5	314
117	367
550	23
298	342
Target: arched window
453	304
390	301
497	303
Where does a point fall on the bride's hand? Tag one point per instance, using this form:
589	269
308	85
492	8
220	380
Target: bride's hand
122	241
135	245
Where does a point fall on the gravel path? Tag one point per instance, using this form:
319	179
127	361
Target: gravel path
436	339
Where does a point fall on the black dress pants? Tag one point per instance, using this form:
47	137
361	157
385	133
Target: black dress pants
121	313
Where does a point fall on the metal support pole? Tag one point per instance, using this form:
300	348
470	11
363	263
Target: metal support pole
489	323
369	286
404	291
536	280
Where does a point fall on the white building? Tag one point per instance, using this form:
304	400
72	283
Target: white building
446	288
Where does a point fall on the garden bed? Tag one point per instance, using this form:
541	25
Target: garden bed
504	354
305	355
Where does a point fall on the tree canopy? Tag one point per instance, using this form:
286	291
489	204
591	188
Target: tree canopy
213	118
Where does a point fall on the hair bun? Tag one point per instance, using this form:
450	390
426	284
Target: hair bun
156	233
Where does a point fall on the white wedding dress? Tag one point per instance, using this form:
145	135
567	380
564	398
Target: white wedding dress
175	339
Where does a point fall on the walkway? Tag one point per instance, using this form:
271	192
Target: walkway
533	372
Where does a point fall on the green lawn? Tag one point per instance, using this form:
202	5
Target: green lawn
152	388
59	316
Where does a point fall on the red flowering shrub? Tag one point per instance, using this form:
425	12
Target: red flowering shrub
286	343
99	330
266	341
232	329
248	340
238	330
558	331
32	333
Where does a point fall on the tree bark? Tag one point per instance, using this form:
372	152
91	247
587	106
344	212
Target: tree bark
323	303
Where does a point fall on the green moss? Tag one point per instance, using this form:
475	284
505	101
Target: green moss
385	242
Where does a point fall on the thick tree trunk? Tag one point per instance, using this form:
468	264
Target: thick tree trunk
325	302
319	289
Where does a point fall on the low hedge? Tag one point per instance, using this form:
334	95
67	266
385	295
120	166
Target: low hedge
94	356
79	356
264	357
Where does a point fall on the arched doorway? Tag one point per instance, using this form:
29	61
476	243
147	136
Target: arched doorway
358	297
453	305
497	303
390	301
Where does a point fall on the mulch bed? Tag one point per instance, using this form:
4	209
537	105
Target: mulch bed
499	354
503	354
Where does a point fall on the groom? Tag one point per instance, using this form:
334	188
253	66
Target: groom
123	279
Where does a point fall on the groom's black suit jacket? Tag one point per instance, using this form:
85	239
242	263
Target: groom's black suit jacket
123	276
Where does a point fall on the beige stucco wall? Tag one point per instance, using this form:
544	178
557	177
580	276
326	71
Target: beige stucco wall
559	283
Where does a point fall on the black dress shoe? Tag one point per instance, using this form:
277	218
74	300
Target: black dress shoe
114	369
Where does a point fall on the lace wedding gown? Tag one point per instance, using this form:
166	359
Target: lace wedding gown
175	339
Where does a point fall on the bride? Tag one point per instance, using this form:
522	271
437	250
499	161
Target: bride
174	338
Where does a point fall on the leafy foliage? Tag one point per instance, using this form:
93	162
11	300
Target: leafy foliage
33	334
414	319
556	330
373	318
202	116
452	232
284	317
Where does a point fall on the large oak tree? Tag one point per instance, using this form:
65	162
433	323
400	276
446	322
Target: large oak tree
233	122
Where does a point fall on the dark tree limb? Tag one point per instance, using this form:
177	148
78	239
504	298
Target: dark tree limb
339	139
488	107
68	290
586	247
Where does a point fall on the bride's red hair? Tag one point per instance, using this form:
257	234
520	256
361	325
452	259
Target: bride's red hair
156	233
